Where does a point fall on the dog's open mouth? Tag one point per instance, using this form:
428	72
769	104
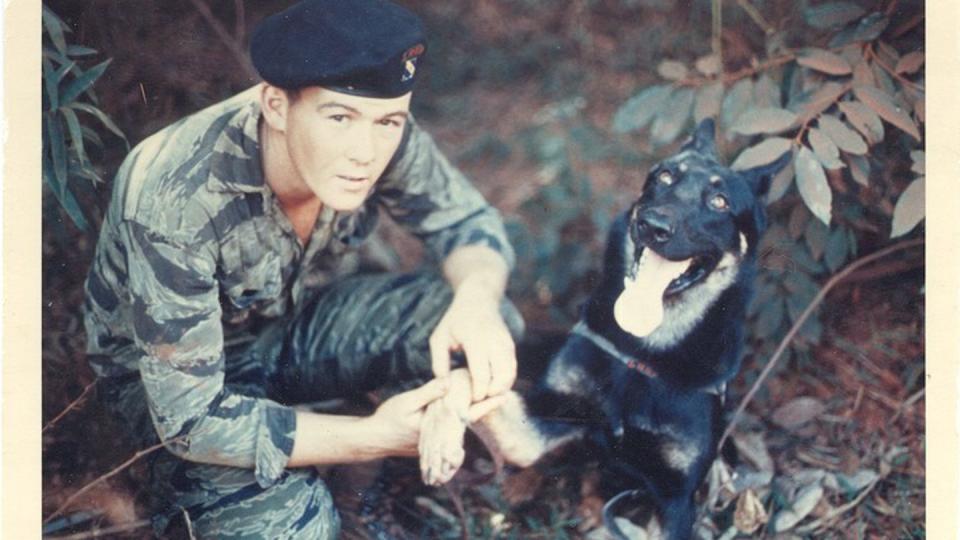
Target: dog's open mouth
654	280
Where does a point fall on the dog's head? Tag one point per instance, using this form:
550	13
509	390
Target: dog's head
695	221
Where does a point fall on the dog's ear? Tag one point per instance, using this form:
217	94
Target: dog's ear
758	178
703	140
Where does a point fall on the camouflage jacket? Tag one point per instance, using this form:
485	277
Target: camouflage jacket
194	248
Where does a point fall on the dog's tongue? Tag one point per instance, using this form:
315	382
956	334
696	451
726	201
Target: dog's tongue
639	310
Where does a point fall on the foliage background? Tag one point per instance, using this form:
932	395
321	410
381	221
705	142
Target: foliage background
524	95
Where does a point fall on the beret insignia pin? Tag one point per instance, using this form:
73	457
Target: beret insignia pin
410	61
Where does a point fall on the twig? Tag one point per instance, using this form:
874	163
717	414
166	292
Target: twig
73	498
756	16
831	283
96	533
229	41
461	511
907	403
71	406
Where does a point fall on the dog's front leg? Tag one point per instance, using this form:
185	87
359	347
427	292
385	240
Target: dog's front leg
441	431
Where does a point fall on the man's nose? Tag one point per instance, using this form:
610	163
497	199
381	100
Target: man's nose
361	148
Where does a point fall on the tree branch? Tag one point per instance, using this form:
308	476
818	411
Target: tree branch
71	406
831	283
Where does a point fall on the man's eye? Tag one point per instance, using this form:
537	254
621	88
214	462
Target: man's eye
338	117
665	178
389	122
719	202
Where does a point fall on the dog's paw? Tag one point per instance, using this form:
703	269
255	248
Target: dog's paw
441	443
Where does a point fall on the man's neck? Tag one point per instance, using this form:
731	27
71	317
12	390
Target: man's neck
279	172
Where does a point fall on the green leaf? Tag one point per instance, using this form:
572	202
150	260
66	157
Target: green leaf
832	14
824	62
910	63
91	136
66	199
809	104
83	82
884	106
672	70
50	84
769	319
918	157
639	110
824	148
867	29
760	154
766	93
797	223
816	238
859	169
58	152
79	50
76	135
909	210
845	138
764	120
709	99
813	186
736	101
836	250
55	28
782	180
104	119
864	120
671	120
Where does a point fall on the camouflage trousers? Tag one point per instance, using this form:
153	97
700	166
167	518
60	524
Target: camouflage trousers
359	334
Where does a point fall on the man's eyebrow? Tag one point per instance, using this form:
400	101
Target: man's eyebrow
336	105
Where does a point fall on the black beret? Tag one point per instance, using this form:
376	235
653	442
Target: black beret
362	47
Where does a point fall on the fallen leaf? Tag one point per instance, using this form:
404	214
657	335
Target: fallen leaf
805	502
858	480
750	514
753	448
754	480
824	61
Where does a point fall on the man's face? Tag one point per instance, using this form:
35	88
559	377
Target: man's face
340	144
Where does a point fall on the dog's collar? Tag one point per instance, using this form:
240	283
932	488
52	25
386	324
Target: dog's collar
606	346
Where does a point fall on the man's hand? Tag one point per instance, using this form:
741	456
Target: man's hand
395	425
473	325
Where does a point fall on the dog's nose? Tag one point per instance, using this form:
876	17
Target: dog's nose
656	226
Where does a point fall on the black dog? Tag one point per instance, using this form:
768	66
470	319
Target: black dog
644	372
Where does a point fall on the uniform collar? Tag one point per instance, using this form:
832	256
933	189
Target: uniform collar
235	161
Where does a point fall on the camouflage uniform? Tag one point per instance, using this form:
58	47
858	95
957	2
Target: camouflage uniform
196	256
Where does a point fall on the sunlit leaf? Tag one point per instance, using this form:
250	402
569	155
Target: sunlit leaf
887	54
824	62
798	412
910	62
824	148
639	110
82	83
672	70
884	106
812	184
864	120
76	135
845	138
884	81
867	29
781	182
79	50
821	99
863	75
673	117
709	64
832	14
859	169
765	152
764	120
708	101
909	210
749	514
807	499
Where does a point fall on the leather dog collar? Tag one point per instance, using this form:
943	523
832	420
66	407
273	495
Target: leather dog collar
606	346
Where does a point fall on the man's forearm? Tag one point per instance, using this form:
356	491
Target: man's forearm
324	439
476	269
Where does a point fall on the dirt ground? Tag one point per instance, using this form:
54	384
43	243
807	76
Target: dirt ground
849	422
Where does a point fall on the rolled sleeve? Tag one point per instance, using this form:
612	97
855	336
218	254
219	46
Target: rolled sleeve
434	200
177	327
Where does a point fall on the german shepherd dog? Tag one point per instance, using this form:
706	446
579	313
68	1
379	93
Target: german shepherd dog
643	373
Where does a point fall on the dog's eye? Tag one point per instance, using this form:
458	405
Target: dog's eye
719	202
665	178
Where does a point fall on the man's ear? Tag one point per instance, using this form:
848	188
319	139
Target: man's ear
274	105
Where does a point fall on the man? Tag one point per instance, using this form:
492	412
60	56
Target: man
211	304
